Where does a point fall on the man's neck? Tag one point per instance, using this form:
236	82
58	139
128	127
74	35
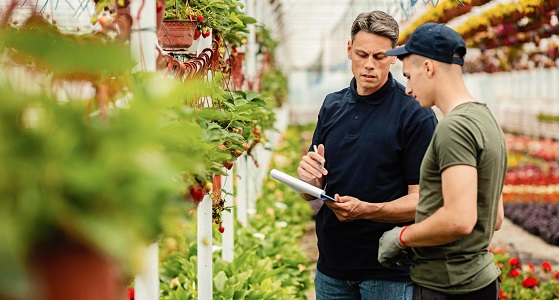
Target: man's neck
453	102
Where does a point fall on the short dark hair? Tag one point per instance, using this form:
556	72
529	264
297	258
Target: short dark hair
376	22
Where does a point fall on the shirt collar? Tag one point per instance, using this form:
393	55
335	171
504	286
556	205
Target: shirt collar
374	98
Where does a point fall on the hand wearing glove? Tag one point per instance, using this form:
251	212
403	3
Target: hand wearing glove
391	248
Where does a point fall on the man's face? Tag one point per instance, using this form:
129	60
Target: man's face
414	69
369	63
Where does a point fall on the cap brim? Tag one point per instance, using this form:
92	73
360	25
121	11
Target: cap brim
400	51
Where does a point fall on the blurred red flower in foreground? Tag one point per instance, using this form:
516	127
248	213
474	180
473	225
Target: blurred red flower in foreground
529	282
502	295
546	266
515	262
130	294
514	273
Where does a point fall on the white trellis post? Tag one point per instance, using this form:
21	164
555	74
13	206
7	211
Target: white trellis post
228	238
241	185
142	44
204	225
252	174
204	237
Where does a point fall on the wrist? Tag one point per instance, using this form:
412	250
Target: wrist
400	237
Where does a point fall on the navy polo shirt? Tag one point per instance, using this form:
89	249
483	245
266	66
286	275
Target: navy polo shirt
373	149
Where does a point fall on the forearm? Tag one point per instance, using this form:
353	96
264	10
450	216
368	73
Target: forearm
440	228
396	211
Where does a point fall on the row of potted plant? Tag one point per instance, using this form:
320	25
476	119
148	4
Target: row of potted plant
443	12
504	24
531	191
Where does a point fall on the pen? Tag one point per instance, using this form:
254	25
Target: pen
316	150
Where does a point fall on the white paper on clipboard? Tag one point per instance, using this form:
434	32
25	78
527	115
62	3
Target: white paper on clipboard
300	186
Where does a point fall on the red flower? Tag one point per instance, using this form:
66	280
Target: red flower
130	294
531	266
502	295
514	273
515	262
546	266
530	282
556	275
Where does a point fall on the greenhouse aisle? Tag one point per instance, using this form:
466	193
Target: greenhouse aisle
529	248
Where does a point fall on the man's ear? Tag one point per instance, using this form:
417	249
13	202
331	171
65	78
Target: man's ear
393	59
429	67
349	49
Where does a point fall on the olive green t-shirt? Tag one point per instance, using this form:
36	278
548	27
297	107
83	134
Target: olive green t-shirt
468	135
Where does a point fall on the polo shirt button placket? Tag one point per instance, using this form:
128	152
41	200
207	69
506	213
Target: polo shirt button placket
356	117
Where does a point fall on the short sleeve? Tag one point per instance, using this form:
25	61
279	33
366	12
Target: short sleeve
456	143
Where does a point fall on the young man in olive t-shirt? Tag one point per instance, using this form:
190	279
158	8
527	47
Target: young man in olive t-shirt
461	178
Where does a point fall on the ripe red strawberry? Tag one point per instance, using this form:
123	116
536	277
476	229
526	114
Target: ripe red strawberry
256	132
205	32
197	193
221	229
158	6
200	18
238	152
197	34
228	164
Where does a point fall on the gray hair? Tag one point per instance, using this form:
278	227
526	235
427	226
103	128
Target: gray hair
376	22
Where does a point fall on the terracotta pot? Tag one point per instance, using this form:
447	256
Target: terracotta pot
69	271
176	35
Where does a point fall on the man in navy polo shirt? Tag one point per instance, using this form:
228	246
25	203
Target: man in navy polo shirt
371	138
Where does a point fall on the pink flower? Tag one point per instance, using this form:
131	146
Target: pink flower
530	282
546	266
514	273
515	262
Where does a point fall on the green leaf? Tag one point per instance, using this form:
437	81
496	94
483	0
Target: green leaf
234	17
219	280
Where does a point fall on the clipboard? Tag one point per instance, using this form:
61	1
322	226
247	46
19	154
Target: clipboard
300	186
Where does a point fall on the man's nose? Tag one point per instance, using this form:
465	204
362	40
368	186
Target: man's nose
370	63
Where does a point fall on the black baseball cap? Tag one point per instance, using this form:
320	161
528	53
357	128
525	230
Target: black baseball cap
436	41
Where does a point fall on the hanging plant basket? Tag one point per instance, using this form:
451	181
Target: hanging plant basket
176	35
